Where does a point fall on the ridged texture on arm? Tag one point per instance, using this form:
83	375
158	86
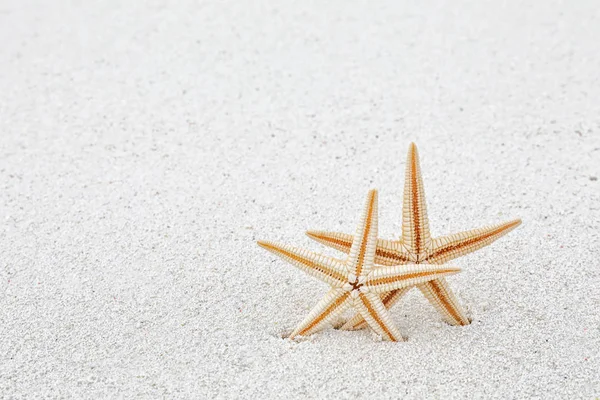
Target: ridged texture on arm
388	252
327	269
336	240
386	279
333	304
389	298
449	247
442	298
377	316
362	252
415	224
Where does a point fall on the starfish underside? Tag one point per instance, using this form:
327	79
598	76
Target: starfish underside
356	282
417	247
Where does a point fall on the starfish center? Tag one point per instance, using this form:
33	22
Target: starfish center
355	285
421	258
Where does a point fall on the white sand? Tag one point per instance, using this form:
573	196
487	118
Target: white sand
144	149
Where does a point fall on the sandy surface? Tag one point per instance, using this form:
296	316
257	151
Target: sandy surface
144	149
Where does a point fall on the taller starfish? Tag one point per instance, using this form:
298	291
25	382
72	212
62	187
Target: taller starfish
355	282
416	246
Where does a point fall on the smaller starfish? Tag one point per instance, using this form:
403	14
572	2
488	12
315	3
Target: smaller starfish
356	282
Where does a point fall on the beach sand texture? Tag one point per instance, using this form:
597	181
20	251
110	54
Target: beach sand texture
146	146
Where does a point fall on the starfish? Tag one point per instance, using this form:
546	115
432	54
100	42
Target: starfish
417	247
356	282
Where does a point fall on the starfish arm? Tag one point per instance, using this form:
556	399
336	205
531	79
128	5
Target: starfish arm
388	252
386	279
334	303
373	311
443	299
449	247
415	224
391	252
336	240
327	269
362	252
388	299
